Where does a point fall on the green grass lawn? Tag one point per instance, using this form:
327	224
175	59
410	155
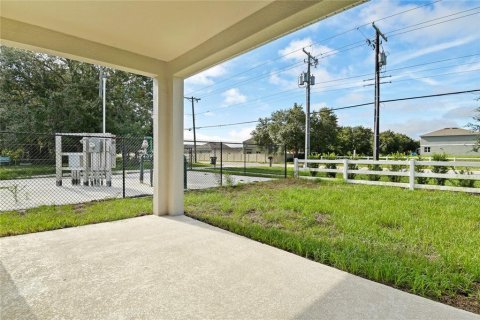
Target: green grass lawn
57	217
17	172
424	242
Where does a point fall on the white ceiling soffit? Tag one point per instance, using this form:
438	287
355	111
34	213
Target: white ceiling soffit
142	35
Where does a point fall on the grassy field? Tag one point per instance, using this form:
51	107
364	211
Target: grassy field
57	217
16	172
424	242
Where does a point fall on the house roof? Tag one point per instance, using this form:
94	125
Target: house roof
450	132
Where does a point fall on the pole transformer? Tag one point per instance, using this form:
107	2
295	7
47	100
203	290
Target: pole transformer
308	80
380	61
193	100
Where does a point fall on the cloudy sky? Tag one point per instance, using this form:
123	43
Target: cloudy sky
433	47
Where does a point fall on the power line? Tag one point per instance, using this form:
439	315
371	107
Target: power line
317	42
324	55
342	88
352	106
348	47
395	33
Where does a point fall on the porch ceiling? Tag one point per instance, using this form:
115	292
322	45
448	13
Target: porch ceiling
148	36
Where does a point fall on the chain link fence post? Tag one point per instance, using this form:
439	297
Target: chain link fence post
124	162
221	163
285	161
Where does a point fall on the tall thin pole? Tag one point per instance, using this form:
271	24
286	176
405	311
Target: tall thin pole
376	125
308	79
307	115
193	100
104	89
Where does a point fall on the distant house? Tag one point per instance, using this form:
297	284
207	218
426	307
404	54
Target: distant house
452	141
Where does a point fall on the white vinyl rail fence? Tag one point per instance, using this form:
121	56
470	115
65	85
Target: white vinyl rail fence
407	171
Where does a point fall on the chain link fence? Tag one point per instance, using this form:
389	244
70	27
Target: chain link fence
69	168
210	164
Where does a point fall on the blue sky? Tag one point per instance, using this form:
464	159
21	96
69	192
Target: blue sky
263	80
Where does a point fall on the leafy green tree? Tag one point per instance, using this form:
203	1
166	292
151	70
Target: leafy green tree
324	131
358	139
475	126
284	127
43	93
392	142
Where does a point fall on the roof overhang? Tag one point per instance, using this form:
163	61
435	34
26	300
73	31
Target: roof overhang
180	38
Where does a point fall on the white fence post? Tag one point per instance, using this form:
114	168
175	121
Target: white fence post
295	167
345	169
412	174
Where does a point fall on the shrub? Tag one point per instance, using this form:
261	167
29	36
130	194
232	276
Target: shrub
313	165
420	169
440	169
374	167
352	166
330	156
396	167
465	183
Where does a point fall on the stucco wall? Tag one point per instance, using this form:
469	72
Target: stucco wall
451	145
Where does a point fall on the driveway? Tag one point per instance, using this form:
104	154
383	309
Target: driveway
176	267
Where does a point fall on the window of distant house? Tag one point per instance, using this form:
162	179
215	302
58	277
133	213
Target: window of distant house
426	149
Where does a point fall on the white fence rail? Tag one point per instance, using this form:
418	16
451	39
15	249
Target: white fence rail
413	169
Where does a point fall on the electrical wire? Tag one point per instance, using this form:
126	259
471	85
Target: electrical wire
314	43
349	107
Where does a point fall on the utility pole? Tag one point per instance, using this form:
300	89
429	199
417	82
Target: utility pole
193	100
380	61
308	79
102	93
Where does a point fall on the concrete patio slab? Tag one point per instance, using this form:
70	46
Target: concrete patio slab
161	268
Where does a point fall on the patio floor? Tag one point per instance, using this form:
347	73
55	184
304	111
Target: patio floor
175	267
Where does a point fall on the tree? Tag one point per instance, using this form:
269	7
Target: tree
475	126
324	132
284	127
287	127
43	93
391	142
356	139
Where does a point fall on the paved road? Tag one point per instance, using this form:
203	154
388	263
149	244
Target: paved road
43	191
178	268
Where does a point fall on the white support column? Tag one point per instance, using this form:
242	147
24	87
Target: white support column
168	145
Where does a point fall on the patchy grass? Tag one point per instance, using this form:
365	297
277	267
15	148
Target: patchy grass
424	242
26	171
57	217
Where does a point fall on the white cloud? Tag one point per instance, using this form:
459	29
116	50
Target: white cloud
433	34
294	49
406	56
233	96
460	113
207	77
288	79
240	135
415	127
